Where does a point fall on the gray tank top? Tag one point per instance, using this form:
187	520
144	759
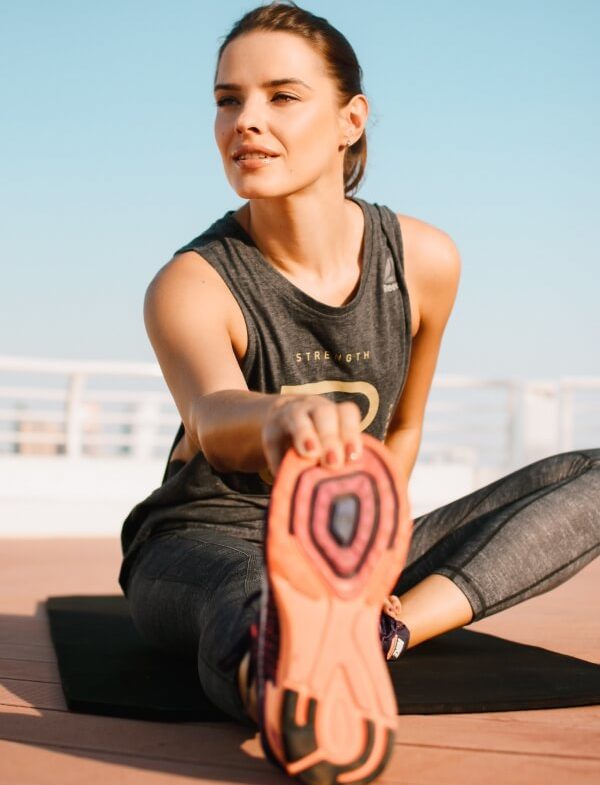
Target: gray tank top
359	351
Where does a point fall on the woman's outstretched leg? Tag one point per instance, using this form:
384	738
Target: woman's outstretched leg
196	593
513	539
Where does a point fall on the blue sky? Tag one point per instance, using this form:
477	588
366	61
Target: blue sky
485	121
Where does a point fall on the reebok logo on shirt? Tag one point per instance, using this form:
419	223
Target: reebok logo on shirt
389	276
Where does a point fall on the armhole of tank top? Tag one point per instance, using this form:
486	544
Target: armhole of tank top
391	227
390	220
176	440
248	358
245	364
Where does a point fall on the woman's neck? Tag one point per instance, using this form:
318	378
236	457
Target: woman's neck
302	238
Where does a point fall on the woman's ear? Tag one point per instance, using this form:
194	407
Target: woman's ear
355	115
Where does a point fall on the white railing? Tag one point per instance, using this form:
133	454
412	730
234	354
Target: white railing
472	420
124	410
96	409
578	404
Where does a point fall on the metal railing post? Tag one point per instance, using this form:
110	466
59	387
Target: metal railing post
74	415
145	416
566	416
515	405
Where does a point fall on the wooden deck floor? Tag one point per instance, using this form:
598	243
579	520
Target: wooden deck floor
41	742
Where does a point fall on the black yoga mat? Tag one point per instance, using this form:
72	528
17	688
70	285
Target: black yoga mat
107	668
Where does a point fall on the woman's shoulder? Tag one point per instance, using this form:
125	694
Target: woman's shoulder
432	264
419	238
425	240
189	289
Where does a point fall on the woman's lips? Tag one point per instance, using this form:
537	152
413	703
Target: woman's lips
254	163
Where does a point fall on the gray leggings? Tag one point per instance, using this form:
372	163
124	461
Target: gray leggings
195	591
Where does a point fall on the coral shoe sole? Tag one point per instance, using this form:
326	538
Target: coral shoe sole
335	544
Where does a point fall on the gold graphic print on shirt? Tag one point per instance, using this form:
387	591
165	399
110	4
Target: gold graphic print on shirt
329	386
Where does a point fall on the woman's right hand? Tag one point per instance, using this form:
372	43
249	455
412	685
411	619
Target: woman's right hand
316	427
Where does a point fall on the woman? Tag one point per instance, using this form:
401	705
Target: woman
303	327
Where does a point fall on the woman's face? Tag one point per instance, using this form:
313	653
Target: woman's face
298	122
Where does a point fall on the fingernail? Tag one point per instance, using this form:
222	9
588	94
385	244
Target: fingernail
352	453
330	457
309	445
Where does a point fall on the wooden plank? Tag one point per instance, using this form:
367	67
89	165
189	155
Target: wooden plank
434	766
413	766
36	694
46	766
575	734
524	735
23	629
193	742
27	651
30	669
33	569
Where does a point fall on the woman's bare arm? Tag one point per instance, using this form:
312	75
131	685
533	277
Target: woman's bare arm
188	315
188	311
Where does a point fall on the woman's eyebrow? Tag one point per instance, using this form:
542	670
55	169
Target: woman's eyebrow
270	83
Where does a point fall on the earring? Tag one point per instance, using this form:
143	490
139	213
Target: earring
348	142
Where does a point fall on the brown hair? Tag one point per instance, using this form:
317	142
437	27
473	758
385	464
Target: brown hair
340	59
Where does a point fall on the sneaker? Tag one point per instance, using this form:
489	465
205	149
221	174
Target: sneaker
336	541
394	636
